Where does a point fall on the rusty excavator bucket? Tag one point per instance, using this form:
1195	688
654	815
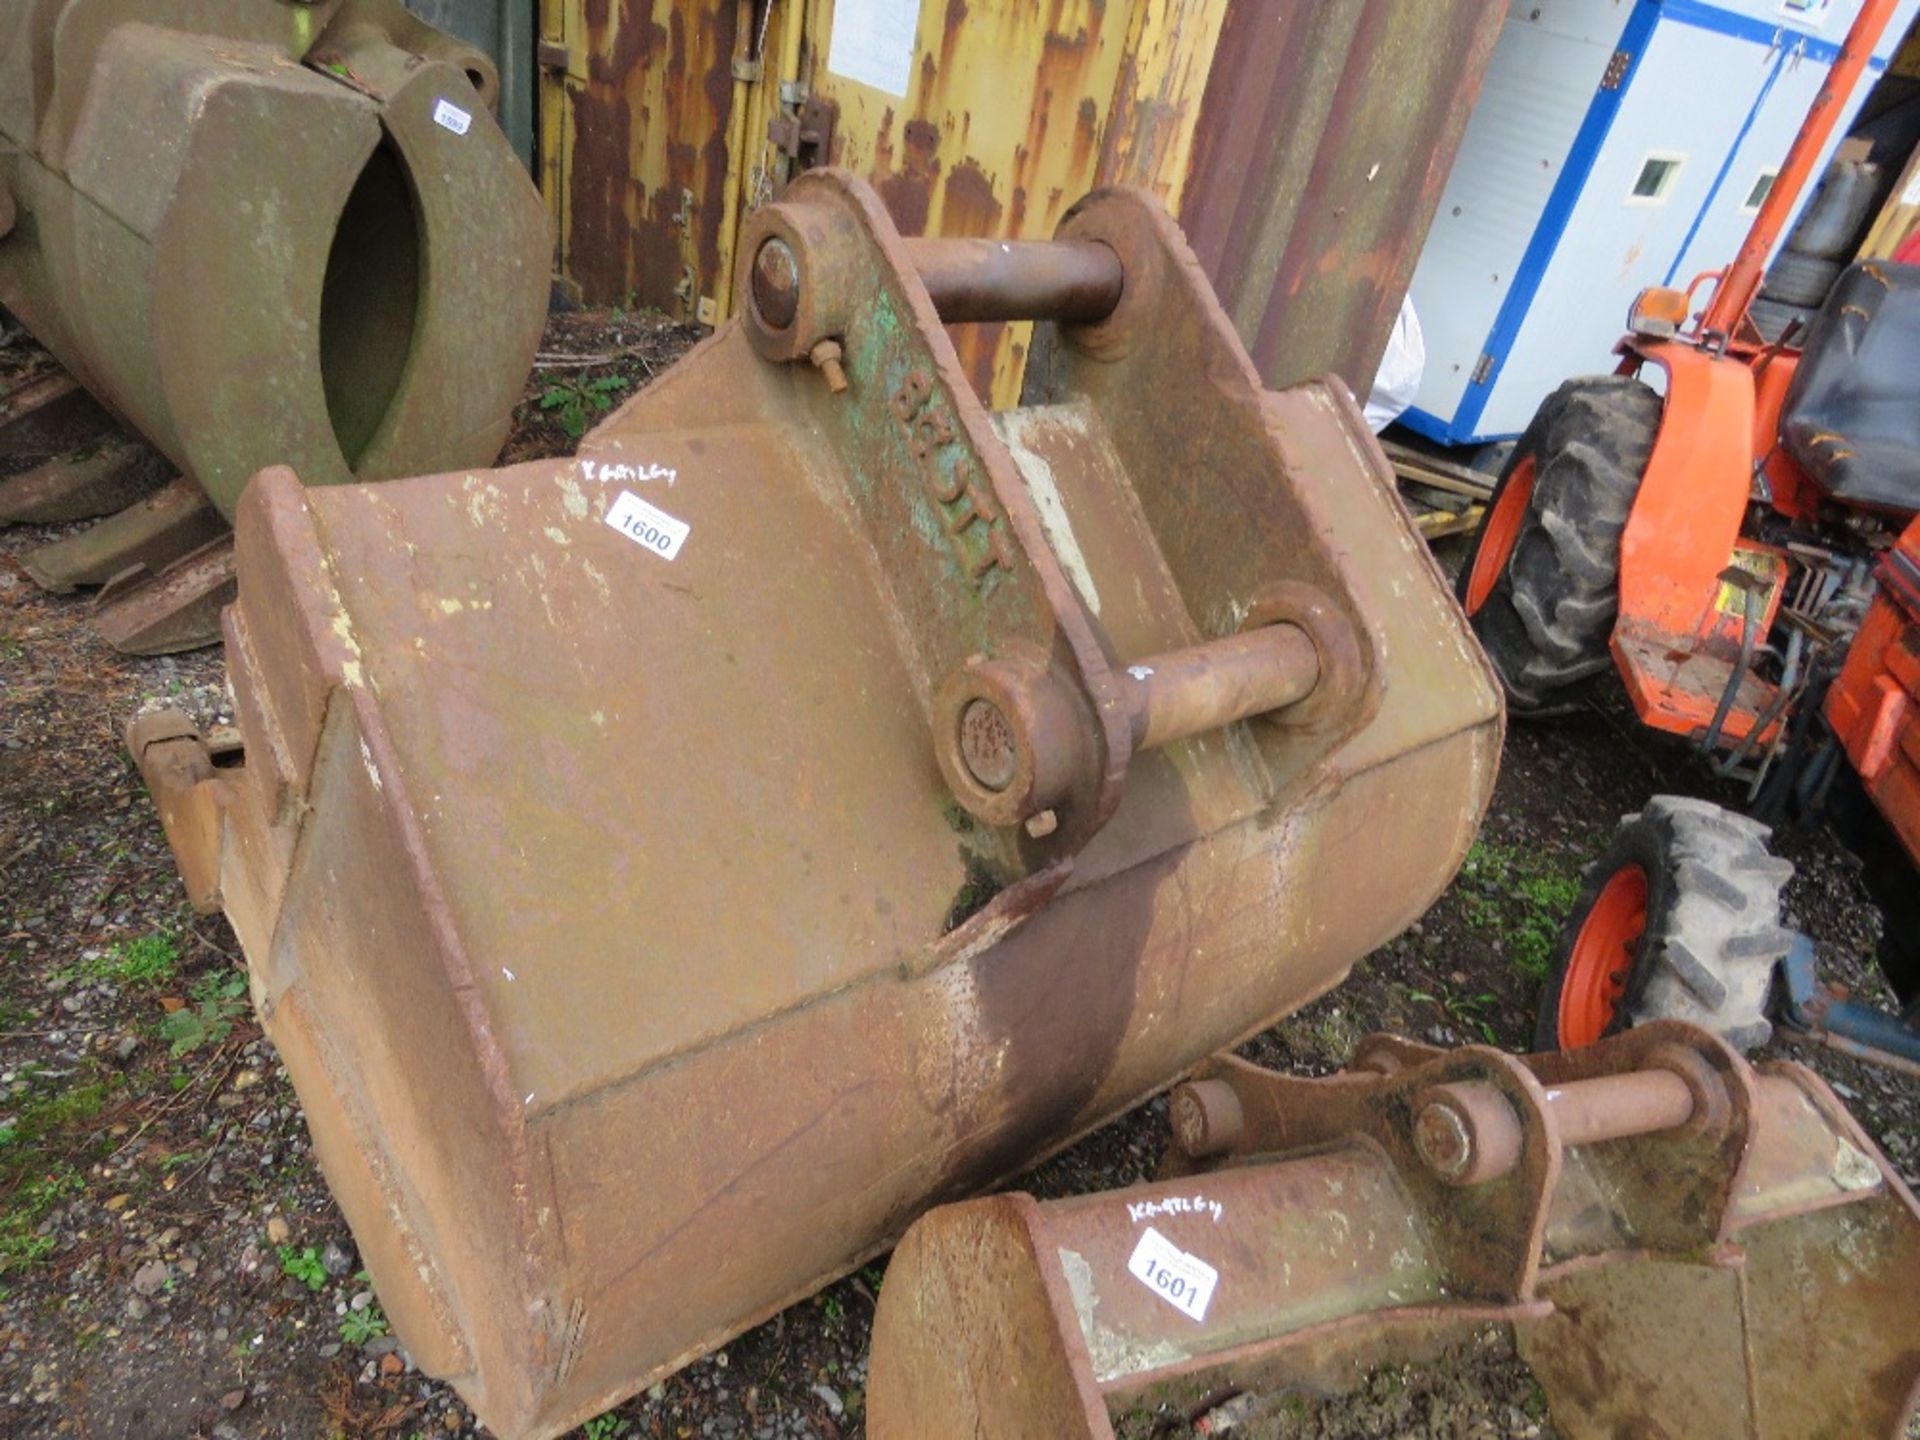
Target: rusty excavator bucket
665	872
257	232
1683	1247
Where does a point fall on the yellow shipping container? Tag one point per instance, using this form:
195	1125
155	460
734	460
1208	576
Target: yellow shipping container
1302	142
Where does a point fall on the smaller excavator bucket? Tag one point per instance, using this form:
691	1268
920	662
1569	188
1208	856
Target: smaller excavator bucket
1680	1244
666	871
257	233
268	233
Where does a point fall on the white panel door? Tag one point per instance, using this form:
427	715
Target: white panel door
1541	80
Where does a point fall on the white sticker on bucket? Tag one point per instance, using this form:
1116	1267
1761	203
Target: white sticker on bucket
449	116
1184	1281
647	526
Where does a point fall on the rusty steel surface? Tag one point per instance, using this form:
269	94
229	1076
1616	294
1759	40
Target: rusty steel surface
606	855
1185	693
1324	141
142	538
61	456
1304	143
270	233
974	280
1681	1245
170	610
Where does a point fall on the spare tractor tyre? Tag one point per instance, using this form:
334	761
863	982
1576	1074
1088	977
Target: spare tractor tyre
1796	279
1543	581
1678	920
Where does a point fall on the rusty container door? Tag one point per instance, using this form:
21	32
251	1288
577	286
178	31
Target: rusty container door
639	136
984	119
1327	132
1304	144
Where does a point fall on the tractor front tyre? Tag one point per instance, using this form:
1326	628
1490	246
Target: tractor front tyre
1678	920
1542	584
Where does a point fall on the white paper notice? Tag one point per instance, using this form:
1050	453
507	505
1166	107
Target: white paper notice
1911	195
873	42
1184	1281
647	526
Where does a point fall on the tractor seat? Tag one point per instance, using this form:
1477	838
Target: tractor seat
1851	418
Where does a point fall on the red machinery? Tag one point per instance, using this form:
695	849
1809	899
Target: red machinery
1719	541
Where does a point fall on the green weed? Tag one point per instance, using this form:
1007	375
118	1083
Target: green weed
579	401
1520	897
360	1326
303	1263
216	1001
606	1427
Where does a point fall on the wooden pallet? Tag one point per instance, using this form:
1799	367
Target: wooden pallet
1446	499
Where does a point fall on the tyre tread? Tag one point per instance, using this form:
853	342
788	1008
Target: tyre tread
1714	946
1546	624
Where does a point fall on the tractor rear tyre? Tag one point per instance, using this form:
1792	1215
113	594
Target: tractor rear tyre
1678	920
1542	584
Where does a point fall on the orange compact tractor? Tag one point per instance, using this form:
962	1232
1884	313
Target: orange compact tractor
1730	539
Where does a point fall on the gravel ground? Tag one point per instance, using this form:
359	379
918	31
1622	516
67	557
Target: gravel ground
171	1265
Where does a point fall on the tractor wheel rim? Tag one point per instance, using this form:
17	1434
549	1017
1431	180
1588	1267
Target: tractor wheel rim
1602	959
1498	534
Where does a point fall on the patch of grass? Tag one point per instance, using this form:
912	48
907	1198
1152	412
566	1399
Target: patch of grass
606	1427
1467	1012
303	1263
1534	1402
1521	897
150	960
216	1002
1336	1034
360	1326
42	1119
580	401
31	1202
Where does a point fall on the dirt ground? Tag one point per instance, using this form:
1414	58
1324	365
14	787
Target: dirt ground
171	1265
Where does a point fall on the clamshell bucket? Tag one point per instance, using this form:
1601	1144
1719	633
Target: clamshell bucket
665	872
269	231
1680	1245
